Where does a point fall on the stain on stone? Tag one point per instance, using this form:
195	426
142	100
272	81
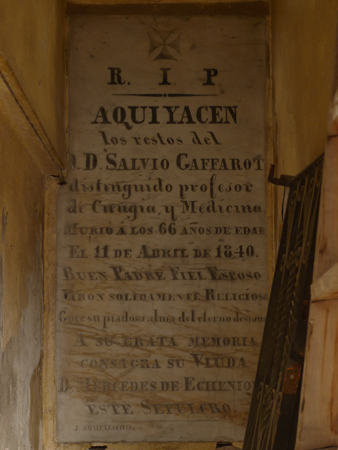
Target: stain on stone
1	295
8	388
8	397
3	224
35	414
3	235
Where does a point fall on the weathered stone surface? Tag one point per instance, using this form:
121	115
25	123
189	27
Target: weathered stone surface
21	285
161	286
32	41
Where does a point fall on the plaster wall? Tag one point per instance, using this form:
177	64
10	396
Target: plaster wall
32	41
21	194
32	144
303	50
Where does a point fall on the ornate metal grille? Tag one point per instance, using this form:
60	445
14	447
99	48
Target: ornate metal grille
274	409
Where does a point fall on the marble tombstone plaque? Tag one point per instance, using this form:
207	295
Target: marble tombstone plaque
161	259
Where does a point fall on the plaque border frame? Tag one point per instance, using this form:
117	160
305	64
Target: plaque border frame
255	8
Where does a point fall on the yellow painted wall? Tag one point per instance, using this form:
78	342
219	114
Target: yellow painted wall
21	288
32	143
303	46
32	40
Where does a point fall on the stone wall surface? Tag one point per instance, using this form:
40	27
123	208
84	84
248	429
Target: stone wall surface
303	46
32	41
21	194
32	143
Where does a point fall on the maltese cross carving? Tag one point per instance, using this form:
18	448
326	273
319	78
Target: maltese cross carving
164	44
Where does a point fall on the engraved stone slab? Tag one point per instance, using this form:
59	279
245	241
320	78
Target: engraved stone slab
161	285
